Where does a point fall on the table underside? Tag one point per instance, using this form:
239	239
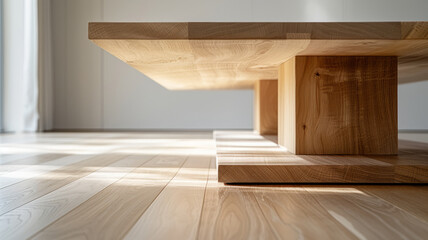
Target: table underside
186	56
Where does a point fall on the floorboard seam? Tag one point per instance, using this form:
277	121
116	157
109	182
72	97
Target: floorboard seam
60	186
41	230
203	200
154	199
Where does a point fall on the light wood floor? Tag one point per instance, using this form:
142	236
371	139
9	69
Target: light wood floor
164	186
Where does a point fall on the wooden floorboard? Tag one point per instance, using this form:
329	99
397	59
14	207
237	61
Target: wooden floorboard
19	164
231	213
165	186
366	216
407	198
293	212
246	157
34	171
26	191
30	218
178	207
6	158
113	211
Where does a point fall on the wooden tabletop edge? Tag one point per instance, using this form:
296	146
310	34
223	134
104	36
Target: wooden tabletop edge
258	30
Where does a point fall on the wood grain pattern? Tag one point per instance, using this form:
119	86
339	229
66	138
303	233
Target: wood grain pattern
180	202
412	60
132	194
377	89
18	164
254	159
287	105
294	213
410	163
26	191
368	217
32	217
231	213
251	30
138	31
266	107
235	55
327	110
337	102
34	171
201	64
408	198
414	30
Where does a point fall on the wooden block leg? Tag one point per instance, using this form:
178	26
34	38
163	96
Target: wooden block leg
338	105
266	106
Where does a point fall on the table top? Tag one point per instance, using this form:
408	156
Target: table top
195	55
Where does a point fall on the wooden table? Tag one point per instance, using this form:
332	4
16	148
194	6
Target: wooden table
324	88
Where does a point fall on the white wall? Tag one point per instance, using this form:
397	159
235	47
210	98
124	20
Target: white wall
77	65
95	90
413	106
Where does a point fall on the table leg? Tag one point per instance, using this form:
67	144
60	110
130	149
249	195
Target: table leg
338	105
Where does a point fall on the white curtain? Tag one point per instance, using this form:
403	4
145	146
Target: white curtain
27	66
29	116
